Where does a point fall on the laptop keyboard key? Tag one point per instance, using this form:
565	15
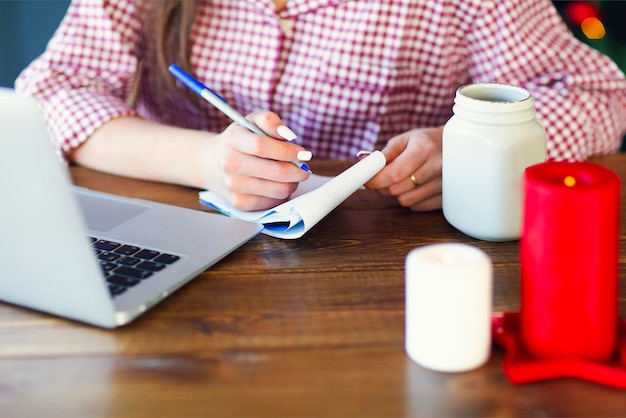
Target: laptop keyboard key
127	249
128	261
147	254
107	266
123	281
105	245
115	289
150	266
133	272
107	256
166	258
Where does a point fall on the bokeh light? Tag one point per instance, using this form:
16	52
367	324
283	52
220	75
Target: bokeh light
587	17
577	12
593	28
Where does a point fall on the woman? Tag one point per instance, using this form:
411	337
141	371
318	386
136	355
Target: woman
343	75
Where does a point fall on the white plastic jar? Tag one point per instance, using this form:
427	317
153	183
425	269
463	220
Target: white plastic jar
488	143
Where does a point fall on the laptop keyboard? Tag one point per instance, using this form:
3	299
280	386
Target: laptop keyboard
125	266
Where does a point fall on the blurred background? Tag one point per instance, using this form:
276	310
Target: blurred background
601	24
26	26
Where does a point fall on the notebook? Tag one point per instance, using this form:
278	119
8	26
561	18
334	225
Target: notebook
312	201
49	228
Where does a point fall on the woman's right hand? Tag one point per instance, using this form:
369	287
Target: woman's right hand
252	171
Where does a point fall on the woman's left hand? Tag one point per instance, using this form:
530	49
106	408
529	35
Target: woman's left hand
413	171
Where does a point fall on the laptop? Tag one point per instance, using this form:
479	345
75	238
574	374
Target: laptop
88	256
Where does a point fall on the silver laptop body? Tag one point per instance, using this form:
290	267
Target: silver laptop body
47	262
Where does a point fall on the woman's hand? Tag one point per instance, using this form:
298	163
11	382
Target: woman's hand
413	171
252	171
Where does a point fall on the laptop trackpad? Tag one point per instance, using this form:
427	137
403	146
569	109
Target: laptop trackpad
103	213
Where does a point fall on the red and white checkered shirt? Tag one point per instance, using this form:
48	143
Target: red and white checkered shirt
343	75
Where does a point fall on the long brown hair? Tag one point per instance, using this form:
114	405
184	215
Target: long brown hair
167	40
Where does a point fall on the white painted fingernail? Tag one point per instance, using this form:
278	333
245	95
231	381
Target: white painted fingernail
286	133
304	156
362	154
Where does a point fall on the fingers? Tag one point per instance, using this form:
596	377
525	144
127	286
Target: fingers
428	171
252	183
432	203
247	165
252	193
257	170
275	146
421	190
272	125
424	197
413	172
406	156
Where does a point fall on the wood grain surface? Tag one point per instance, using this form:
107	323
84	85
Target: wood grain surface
307	328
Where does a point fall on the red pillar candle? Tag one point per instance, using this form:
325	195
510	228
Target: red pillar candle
569	261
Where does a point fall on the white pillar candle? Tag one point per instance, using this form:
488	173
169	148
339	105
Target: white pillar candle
448	306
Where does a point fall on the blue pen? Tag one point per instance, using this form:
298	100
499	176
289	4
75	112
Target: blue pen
220	103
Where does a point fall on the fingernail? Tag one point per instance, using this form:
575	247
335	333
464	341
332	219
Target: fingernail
286	133
362	154
304	156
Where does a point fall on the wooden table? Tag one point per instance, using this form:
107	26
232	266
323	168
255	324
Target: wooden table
312	327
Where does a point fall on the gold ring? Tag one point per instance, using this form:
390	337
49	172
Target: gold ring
414	180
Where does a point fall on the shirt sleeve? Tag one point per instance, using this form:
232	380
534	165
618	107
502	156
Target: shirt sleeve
85	76
579	93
